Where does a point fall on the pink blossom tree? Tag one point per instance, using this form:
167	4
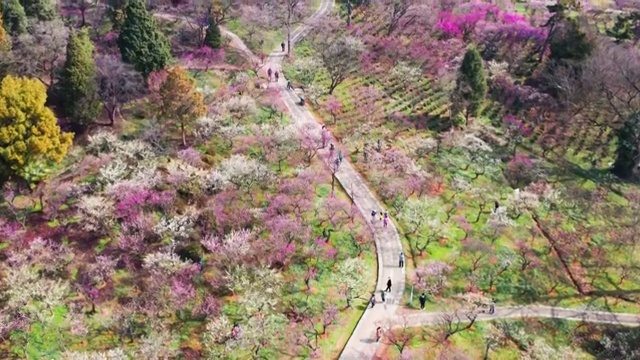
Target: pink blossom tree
333	106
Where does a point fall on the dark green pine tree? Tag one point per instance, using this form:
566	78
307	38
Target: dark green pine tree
628	150
471	85
43	10
213	37
15	19
77	86
141	43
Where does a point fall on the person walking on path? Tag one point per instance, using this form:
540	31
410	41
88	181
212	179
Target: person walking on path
340	156
277	76
401	259
380	215
378	333
388	289
323	136
373	216
372	300
289	86
382	296
386	219
282	46
269	74
331	148
423	301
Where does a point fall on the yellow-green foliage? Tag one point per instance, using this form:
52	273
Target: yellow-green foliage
5	44
180	101
28	129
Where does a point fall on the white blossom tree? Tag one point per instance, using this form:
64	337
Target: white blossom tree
258	289
423	228
234	244
340	59
217	338
165	262
177	227
245	172
112	354
350	280
96	213
306	69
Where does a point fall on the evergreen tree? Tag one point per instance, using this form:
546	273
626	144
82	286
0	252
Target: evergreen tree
5	41
213	37
569	43
43	10
471	85
141	43
628	149
14	17
78	88
29	131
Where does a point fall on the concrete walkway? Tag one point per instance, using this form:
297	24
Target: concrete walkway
361	345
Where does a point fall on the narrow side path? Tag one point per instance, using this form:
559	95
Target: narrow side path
418	318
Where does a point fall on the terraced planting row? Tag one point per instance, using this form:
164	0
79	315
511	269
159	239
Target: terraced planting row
418	99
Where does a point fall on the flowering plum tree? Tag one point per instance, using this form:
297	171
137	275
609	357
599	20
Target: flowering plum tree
350	279
431	277
333	106
340	59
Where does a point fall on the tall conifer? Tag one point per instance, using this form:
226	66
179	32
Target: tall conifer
141	43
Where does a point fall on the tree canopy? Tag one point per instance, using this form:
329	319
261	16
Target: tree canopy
213	37
78	88
29	131
471	85
14	17
140	41
5	41
42	10
180	101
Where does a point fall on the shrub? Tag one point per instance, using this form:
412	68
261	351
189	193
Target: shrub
520	171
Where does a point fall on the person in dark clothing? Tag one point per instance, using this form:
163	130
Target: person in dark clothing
401	259
373	215
282	46
277	76
423	301
269	74
382	296
372	300
388	289
492	309
378	334
497	205
289	86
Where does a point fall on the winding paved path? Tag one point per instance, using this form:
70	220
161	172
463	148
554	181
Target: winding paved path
387	240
